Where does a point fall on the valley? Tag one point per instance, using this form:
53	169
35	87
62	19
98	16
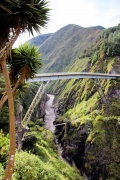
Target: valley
90	108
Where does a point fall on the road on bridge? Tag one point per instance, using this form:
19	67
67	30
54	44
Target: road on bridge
71	75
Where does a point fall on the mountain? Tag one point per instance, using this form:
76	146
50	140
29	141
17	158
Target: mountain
60	49
37	41
90	108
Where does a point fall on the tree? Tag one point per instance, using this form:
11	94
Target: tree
16	16
24	62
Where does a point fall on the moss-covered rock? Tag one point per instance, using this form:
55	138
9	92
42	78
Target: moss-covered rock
29	140
102	150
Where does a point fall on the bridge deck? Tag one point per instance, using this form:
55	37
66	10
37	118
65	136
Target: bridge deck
71	75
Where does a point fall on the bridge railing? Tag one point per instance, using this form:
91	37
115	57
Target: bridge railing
71	75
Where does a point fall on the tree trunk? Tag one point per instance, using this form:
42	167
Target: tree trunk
10	163
5	97
6	52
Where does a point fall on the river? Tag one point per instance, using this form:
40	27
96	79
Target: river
49	113
49	119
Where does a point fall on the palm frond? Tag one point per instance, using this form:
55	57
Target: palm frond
25	62
24	13
28	15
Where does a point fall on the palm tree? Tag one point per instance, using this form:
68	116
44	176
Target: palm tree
24	62
16	16
19	15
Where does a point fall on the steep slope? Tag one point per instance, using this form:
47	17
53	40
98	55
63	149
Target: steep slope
92	111
37	41
62	48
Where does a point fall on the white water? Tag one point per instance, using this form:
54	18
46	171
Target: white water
50	114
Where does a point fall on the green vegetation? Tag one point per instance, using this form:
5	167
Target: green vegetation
39	160
13	22
27	169
105	137
92	108
110	44
43	161
4	148
62	48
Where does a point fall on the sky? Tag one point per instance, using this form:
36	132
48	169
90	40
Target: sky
84	13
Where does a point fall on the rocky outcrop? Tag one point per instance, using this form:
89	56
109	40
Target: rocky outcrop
73	149
41	109
93	147
101	155
116	66
72	141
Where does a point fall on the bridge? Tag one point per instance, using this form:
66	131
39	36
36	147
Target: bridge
46	77
71	75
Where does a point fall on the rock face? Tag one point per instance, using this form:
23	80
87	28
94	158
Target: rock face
92	147
116	68
92	144
73	146
41	110
91	139
101	155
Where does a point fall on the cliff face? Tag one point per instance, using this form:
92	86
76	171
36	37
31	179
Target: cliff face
90	107
94	148
92	139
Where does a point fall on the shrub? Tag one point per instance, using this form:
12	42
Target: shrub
1	171
29	140
30	167
39	122
4	148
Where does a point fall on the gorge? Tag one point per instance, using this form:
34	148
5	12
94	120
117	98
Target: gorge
50	119
90	108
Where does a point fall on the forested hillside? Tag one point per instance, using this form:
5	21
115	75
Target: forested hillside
90	108
93	109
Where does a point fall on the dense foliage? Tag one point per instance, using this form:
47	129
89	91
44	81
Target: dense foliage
40	161
23	15
110	43
4	148
93	109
